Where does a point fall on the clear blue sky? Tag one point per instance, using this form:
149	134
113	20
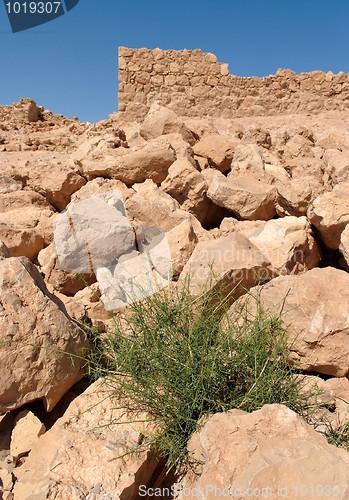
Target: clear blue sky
70	64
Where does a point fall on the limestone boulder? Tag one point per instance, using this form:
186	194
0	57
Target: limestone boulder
287	242
329	213
40	344
337	165
232	262
248	160
25	222
270	453
100	185
56	180
62	281
149	161
188	186
182	240
244	197
25	434
151	206
86	454
161	121
93	233
217	149
313	308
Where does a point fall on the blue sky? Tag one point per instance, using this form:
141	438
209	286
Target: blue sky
70	64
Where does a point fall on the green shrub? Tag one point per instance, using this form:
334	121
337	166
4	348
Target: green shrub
173	357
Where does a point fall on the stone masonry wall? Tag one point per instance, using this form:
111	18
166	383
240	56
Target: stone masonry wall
193	83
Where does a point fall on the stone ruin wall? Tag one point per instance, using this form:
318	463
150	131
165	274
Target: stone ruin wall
193	83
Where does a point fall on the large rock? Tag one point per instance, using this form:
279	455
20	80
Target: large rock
287	242
330	214
188	186
217	149
182	241
151	206
86	454
161	121
93	233
25	222
243	196
314	310
248	160
62	281
150	161
56	180
337	165
270	453
232	262
40	346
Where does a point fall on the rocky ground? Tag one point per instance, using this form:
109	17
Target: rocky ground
244	198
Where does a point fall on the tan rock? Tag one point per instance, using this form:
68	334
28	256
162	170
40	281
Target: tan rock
244	196
100	185
151	206
35	336
150	161
161	121
271	453
4	251
55	180
337	165
217	149
27	430
25	222
232	262
248	160
344	244
329	213
188	186
314	313
182	240
62	281
86	453
287	243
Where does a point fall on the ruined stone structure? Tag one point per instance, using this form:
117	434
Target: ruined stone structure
194	83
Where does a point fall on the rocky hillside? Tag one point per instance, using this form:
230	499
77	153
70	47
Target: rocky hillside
246	200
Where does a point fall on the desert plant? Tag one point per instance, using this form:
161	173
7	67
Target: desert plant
179	358
340	436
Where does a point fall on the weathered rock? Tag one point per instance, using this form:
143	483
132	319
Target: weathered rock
232	262
337	165
344	244
314	312
36	336
55	180
161	121
269	453
87	453
62	281
329	213
27	430
287	242
248	160
244	196
100	185
182	240
217	149
25	224
93	233
151	206
4	251
150	161
188	186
